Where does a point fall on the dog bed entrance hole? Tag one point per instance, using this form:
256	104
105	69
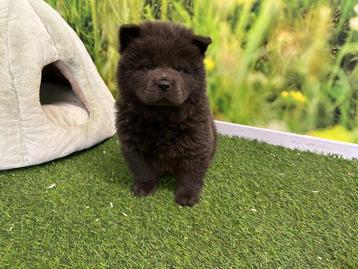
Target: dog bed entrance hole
61	98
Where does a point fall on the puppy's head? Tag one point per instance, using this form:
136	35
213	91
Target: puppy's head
161	63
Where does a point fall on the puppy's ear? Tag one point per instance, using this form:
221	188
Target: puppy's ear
127	34
202	42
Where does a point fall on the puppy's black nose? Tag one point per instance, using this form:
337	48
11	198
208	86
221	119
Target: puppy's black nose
164	85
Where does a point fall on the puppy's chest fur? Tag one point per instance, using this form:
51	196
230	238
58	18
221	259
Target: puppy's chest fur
161	138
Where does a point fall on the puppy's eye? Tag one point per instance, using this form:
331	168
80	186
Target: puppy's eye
145	67
182	70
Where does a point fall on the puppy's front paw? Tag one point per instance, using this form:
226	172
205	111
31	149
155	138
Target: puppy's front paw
145	188
186	197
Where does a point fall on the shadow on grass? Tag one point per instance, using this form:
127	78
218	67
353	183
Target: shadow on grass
103	161
168	182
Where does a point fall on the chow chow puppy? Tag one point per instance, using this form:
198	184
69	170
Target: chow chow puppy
163	118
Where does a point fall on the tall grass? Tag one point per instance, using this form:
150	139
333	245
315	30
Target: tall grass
289	65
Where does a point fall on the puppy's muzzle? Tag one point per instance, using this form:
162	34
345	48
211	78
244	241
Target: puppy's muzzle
164	84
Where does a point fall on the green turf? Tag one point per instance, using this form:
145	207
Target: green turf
262	207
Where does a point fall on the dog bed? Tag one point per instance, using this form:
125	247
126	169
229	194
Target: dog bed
52	100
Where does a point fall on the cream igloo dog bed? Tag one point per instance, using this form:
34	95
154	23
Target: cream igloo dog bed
52	99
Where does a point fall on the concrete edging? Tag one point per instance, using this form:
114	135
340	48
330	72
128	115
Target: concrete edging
289	140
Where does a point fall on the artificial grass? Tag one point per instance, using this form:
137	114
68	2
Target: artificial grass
262	207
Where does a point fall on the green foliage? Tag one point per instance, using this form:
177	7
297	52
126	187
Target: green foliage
262	207
261	49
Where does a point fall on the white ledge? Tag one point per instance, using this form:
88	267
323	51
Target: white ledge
289	140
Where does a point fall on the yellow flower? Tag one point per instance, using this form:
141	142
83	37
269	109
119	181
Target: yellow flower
284	94
295	95
298	96
334	133
209	64
353	23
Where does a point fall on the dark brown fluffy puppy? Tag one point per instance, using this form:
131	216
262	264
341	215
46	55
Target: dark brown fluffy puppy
163	118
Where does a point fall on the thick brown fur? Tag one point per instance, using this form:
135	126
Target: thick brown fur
163	118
